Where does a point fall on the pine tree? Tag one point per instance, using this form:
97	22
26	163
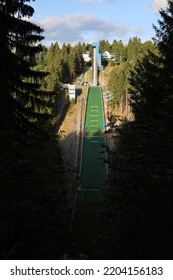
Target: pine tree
152	79
134	49
118	51
20	98
139	206
118	82
32	192
164	41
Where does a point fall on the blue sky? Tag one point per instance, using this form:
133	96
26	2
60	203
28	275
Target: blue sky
71	21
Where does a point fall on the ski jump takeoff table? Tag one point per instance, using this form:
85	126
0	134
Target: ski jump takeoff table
93	172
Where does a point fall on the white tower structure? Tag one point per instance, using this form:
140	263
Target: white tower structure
94	68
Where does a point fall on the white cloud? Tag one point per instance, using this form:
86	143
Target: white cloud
86	2
90	2
77	27
158	4
106	1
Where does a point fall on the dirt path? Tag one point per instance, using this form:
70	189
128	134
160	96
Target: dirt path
69	134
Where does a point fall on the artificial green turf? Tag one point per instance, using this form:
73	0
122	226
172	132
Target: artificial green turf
85	223
93	166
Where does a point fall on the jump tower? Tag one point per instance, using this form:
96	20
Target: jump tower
96	63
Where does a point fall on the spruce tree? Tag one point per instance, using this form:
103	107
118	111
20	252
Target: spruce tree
20	98
139	202
152	79
164	41
32	192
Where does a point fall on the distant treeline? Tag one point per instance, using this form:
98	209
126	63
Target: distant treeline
66	63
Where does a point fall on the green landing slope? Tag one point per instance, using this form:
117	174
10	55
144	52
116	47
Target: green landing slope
85	223
93	171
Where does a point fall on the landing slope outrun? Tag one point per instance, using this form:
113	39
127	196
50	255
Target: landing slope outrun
93	166
85	222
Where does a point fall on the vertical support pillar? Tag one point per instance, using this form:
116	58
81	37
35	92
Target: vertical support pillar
94	68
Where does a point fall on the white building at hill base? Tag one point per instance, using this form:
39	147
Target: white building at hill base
72	92
86	57
106	55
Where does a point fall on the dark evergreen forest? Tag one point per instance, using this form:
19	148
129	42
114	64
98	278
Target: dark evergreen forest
136	217
138	210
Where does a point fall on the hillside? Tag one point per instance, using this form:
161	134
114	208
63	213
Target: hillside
68	130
